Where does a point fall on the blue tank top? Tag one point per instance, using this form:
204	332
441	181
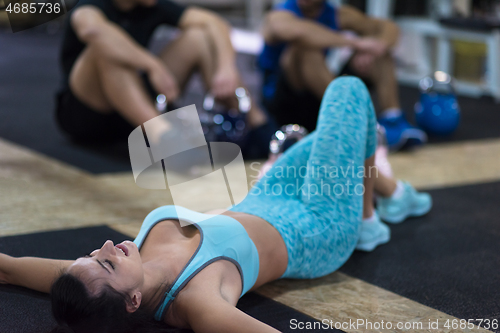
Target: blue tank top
221	238
269	59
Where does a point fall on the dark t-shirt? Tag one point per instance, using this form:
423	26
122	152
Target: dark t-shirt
139	23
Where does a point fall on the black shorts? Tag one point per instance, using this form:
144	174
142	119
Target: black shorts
85	125
289	106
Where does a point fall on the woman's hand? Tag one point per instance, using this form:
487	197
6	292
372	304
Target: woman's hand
30	272
163	81
4	262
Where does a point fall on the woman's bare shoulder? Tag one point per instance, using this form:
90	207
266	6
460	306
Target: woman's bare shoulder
205	284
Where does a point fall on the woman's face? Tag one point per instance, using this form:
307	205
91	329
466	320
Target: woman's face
119	265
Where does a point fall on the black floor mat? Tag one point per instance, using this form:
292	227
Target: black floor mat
22	310
448	260
30	76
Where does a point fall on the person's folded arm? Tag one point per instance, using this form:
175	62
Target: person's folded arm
285	26
383	30
111	42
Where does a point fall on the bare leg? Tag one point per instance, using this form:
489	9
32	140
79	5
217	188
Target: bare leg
369	183
384	78
190	52
384	186
194	51
383	75
105	86
306	70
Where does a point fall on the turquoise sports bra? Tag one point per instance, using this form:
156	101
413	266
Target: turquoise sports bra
221	238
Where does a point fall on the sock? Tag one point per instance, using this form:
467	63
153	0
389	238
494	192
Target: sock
399	191
370	219
392	113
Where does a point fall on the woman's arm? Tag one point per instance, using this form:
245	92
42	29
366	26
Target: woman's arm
215	315
33	273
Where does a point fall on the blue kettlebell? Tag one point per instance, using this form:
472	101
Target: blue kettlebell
438	111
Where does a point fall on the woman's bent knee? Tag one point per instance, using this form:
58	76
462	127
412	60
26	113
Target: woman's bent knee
351	90
348	85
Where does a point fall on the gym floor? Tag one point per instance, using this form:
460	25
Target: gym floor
48	184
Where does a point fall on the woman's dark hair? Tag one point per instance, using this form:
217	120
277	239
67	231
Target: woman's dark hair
78	311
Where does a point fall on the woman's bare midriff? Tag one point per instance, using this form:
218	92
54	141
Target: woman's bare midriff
273	256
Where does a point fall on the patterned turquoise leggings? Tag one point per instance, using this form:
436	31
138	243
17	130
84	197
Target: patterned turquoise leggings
313	194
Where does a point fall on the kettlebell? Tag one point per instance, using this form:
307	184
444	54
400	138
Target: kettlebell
281	140
220	124
438	111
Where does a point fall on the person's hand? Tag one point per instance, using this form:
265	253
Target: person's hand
362	63
373	46
163	81
3	265
225	82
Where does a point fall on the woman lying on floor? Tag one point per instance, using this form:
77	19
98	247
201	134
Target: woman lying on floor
193	276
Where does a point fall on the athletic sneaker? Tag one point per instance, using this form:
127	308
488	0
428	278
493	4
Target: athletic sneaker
410	203
400	134
373	234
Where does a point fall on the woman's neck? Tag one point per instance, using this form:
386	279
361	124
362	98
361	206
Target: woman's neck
156	283
160	272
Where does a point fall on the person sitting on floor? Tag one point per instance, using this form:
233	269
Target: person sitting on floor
110	78
188	269
298	34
